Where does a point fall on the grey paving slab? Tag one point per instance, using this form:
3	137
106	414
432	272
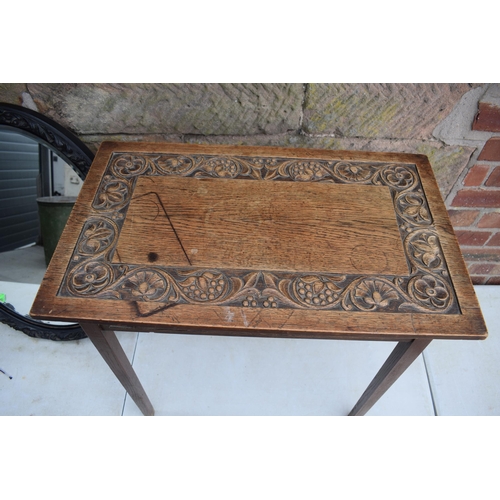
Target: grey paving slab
23	265
205	375
208	375
465	375
55	378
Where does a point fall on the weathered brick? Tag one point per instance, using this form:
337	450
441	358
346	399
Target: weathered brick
479	280
495	241
494	178
494	280
487	118
472	238
481	254
491	150
392	110
490	220
476	198
462	218
484	268
207	109
476	175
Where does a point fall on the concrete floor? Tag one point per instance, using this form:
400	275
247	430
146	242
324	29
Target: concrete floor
205	375
23	265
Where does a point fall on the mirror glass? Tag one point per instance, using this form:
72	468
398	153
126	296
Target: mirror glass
30	171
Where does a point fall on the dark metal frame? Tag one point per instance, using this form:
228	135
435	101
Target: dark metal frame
46	131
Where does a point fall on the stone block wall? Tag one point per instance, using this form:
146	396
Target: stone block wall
456	125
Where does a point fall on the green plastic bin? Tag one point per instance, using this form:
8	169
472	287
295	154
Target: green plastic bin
53	212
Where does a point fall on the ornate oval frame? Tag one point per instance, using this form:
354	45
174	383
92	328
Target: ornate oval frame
42	129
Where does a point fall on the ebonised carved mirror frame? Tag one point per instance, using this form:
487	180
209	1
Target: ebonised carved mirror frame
46	131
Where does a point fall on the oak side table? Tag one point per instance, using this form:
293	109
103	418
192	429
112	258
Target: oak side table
255	241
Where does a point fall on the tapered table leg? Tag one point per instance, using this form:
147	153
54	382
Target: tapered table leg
110	349
399	360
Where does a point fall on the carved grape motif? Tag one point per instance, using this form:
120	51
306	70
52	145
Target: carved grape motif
250	301
315	291
222	167
270	302
207	287
265	162
306	170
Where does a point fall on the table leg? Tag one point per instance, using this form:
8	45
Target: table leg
403	355
110	349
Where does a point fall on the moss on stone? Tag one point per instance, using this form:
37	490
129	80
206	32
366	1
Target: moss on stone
447	163
11	93
209	109
383	111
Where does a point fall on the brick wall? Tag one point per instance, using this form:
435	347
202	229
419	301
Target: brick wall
457	125
474	207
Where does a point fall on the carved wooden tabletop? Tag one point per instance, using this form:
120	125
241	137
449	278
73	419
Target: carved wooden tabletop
261	242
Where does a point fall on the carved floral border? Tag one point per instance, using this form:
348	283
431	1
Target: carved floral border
427	289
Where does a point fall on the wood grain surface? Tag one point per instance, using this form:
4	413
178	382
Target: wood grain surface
262	242
287	226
